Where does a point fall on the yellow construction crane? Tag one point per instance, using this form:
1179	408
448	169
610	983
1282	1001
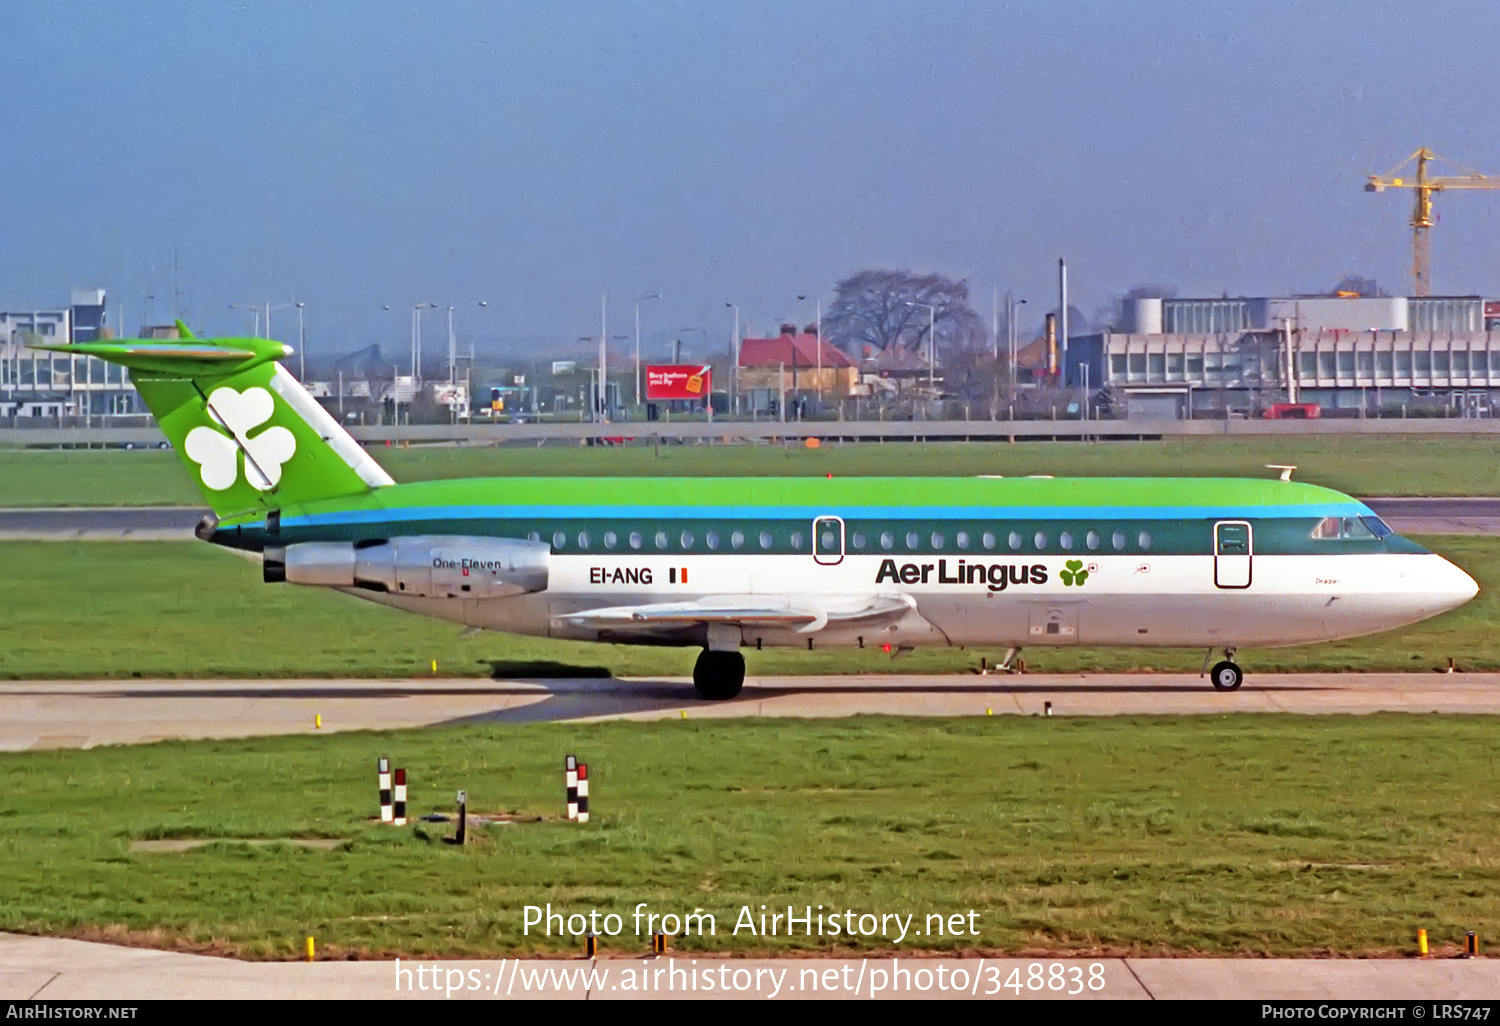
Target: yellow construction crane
1421	216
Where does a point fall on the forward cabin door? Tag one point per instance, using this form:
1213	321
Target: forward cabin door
1232	553
828	540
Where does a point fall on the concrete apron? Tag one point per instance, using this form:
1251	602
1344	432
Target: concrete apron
53	969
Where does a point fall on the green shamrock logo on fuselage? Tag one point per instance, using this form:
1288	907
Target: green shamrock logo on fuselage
1073	573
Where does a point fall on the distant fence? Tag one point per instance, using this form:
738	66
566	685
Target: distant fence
731	432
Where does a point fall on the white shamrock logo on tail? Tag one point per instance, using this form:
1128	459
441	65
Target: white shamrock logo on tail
217	455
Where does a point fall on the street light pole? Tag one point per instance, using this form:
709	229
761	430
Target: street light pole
452	370
931	346
416	340
995	321
708	399
818	327
601	404
1010	330
734	357
639	300
416	347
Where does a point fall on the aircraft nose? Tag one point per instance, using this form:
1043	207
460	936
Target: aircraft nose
1452	587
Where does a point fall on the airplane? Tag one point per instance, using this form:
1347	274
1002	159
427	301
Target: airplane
723	565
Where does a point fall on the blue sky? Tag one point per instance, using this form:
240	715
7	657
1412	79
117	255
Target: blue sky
537	155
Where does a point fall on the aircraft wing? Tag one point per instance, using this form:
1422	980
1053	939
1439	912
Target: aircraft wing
805	614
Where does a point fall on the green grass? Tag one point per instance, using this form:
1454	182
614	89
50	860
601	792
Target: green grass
188	610
1246	834
1359	466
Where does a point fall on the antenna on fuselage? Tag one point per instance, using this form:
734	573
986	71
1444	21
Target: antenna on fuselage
1286	471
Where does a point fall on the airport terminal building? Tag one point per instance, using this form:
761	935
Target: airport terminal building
1392	357
39	386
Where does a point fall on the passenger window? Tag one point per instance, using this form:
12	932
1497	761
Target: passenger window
1144	539
687	539
559	540
583	539
887	540
1039	540
857	539
661	539
988	540
963	539
913	539
712	538
1118	541
938	540
1014	540
766	540
799	541
535	536
609	539
1091	540
636	540
737	539
1066	540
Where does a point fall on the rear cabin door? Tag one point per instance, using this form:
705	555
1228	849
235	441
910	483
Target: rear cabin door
828	540
1232	552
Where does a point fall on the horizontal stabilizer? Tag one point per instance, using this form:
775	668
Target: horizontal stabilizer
179	358
802	613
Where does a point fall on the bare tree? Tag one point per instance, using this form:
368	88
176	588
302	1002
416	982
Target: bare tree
888	310
1358	285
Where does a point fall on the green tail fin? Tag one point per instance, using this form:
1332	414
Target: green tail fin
250	434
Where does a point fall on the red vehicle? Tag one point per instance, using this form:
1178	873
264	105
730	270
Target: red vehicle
1293	411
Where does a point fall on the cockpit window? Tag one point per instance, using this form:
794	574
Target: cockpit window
1351	528
1328	527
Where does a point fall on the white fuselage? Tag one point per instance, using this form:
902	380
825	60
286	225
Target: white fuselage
1124	600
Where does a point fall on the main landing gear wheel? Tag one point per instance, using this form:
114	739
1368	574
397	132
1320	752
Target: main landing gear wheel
719	675
1226	676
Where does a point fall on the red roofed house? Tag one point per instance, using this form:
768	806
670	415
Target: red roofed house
796	362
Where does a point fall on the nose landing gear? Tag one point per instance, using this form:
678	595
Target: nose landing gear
719	675
1226	675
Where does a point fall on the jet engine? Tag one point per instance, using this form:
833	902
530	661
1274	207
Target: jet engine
439	566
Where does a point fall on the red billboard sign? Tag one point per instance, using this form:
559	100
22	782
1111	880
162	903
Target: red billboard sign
678	381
